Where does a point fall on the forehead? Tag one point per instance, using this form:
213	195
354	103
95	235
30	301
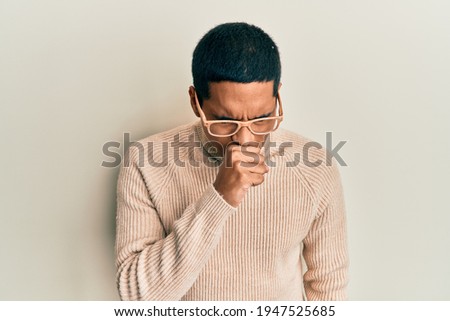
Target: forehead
241	91
235	98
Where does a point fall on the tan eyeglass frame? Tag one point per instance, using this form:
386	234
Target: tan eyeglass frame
240	124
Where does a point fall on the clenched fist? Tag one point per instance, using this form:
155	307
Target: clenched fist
243	167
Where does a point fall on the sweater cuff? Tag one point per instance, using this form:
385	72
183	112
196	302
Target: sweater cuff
217	210
212	198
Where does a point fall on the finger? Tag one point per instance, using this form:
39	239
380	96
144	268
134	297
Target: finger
253	147
259	168
257	179
253	158
250	149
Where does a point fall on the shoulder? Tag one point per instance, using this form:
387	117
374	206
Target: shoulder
295	147
158	144
180	133
312	162
155	158
156	155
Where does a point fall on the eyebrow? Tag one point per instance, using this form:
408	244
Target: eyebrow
229	118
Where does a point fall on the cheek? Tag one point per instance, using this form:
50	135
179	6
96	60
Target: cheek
217	140
261	138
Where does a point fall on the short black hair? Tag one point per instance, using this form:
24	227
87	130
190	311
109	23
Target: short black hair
237	52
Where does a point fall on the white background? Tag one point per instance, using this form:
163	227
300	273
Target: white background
77	74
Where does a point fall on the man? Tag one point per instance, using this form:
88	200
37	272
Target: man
228	211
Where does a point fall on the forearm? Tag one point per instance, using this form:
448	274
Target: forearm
165	268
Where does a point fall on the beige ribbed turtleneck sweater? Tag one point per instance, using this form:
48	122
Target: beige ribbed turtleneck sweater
177	239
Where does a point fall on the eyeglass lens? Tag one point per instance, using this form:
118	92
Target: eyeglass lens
263	126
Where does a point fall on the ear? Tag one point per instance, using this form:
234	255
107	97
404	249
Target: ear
192	100
279	85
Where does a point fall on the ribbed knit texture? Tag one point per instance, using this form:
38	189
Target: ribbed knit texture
177	239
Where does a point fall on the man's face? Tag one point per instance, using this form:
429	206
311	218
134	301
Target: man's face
237	101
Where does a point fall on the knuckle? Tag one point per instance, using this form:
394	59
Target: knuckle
258	180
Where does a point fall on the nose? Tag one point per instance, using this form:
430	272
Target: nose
244	135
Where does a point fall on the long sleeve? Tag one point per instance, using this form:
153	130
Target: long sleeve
325	247
178	239
153	265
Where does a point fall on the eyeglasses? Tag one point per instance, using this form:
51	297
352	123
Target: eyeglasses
226	128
